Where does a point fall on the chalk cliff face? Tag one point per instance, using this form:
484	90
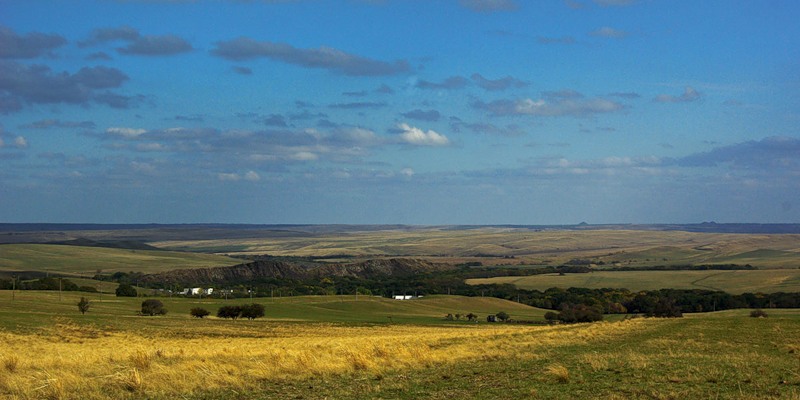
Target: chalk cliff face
266	269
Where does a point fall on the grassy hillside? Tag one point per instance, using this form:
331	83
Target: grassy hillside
34	308
50	351
85	261
735	282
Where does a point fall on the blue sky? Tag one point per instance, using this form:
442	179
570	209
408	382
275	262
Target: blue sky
412	112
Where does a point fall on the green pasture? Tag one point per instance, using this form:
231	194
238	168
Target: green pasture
734	281
31	309
86	261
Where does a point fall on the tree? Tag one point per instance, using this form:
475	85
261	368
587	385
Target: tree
758	313
153	307
252	311
472	317
199	312
83	305
503	316
231	312
126	290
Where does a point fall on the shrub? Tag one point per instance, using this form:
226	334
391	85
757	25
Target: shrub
472	317
758	313
199	312
231	312
125	290
153	307
83	305
503	316
252	311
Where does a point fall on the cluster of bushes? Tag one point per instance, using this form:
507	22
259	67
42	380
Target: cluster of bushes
47	283
249	311
574	313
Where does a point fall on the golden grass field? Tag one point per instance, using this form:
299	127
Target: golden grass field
110	353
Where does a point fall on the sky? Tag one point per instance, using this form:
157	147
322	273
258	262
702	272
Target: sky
400	111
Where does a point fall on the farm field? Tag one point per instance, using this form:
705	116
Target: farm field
53	352
734	281
86	261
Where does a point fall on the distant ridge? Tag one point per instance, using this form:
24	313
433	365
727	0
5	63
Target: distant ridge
144	233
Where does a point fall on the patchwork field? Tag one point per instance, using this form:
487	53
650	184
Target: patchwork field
498	245
734	282
53	352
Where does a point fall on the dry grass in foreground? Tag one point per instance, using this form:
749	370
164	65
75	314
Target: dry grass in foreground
70	361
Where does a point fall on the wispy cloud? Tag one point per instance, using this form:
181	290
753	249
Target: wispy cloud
453	82
504	83
689	94
552	104
329	58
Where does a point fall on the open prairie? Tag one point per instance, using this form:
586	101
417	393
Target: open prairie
734	282
53	352
497	245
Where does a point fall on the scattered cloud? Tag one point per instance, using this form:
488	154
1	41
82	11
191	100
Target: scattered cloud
137	44
332	59
127	133
359	93
489	6
152	45
56	123
451	83
775	153
552	104
32	45
276	120
358	105
608	32
103	35
21	83
689	95
417	137
486	128
423	115
12	141
504	83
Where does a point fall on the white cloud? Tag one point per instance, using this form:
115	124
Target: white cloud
128	133
252	176
20	142
417	137
304	156
407	172
225	176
